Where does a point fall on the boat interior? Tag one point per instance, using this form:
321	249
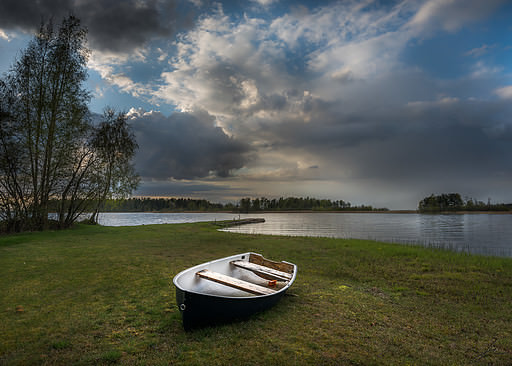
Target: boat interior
242	275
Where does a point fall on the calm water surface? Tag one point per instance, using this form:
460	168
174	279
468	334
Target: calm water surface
150	218
473	233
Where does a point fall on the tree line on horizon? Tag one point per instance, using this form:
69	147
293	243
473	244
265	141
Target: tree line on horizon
245	205
451	202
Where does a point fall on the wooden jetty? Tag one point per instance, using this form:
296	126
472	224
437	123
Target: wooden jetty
239	222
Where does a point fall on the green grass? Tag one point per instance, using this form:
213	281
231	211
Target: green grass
103	295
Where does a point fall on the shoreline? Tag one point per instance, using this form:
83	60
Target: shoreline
336	212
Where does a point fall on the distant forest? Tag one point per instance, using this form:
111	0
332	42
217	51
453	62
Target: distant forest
245	205
448	202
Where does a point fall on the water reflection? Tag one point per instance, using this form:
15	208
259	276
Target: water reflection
150	218
478	234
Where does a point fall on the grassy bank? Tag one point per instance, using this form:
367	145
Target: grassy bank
103	295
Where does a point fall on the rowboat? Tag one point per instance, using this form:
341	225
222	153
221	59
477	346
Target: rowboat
231	288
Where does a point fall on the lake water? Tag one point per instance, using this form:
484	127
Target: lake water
485	234
149	218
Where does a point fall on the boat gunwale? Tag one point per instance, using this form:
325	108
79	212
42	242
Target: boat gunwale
288	284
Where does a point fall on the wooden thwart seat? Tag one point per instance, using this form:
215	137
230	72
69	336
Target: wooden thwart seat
264	271
235	282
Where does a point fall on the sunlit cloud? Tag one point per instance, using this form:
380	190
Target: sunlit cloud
3	35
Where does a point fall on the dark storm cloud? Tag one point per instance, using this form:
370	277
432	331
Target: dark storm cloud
441	141
180	188
185	146
114	25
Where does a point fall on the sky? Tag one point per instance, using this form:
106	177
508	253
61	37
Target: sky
379	103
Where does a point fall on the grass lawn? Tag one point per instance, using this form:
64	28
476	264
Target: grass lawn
104	295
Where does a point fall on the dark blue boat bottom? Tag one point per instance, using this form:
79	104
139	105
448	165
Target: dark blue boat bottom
198	310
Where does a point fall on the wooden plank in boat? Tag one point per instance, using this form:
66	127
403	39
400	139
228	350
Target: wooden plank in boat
262	270
280	266
235	282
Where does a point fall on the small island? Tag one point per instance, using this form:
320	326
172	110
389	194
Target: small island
453	202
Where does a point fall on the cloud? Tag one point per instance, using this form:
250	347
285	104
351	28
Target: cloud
162	55
4	35
184	146
114	25
225	67
504	92
197	3
110	67
319	99
233	68
240	69
264	2
378	141
480	51
326	88
451	15
482	70
213	191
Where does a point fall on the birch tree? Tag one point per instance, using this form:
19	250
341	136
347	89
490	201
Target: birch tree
49	149
115	146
